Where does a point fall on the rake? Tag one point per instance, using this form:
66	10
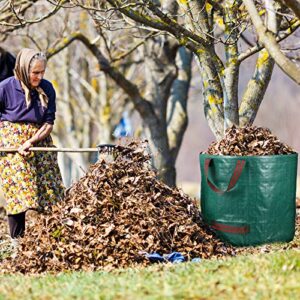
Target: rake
103	148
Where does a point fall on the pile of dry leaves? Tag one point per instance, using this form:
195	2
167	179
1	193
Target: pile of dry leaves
249	140
111	217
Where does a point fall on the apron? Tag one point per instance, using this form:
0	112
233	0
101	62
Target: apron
31	182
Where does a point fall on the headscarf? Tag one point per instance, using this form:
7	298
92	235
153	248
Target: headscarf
21	71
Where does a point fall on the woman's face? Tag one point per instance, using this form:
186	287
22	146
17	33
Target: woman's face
36	73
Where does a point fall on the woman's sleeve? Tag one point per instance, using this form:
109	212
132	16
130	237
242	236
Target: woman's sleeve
49	116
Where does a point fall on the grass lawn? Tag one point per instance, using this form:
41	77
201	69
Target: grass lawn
259	276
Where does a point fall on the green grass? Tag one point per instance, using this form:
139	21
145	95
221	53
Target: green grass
265	276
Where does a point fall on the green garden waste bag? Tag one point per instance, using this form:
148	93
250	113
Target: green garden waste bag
249	200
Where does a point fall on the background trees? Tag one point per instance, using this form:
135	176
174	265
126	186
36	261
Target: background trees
146	48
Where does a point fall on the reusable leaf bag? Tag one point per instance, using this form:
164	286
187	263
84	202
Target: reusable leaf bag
249	200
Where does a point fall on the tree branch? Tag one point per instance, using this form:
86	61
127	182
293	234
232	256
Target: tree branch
124	55
7	14
231	73
263	70
24	22
215	5
294	5
268	40
165	23
143	106
279	38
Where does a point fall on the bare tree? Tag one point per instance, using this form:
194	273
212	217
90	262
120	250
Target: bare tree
88	105
201	26
17	14
198	31
160	91
218	33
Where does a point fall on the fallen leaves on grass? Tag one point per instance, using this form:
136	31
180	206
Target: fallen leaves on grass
111	217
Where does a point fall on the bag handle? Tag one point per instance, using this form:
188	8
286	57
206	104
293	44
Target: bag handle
233	180
230	228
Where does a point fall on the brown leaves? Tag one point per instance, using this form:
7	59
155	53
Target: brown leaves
249	140
117	211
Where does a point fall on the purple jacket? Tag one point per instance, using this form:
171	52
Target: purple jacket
13	106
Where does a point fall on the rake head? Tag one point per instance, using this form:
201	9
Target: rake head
106	148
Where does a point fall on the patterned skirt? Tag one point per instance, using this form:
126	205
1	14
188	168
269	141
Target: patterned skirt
28	182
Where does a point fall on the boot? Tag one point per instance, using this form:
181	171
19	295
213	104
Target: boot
16	225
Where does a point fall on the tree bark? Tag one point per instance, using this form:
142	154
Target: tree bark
257	86
231	72
177	116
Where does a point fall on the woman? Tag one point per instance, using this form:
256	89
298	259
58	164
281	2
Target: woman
27	113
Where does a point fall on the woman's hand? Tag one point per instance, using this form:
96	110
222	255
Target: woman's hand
23	149
41	134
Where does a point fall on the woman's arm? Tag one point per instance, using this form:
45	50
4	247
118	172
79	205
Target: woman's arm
41	134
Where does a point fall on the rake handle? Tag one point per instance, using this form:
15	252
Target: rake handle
52	149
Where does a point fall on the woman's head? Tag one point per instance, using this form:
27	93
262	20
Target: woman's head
30	67
37	69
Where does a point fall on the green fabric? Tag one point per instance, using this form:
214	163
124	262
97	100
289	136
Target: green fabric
263	197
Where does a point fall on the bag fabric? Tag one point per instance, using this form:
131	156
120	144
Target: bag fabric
249	200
